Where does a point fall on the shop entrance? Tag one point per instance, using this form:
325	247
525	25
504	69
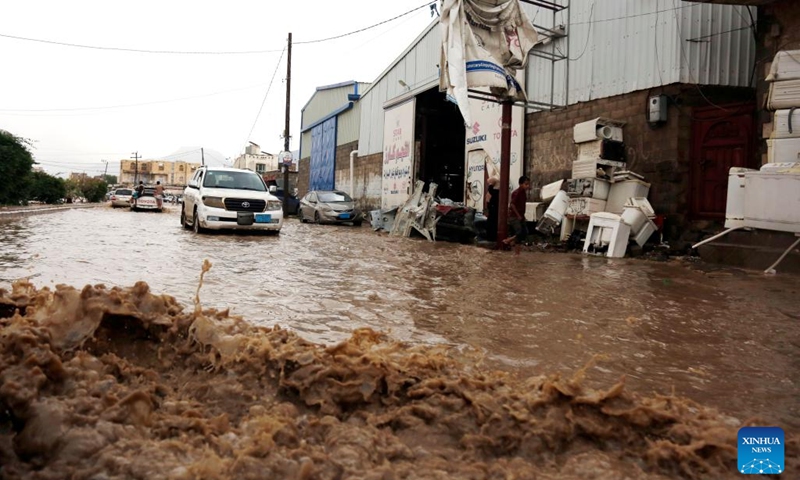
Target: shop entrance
440	133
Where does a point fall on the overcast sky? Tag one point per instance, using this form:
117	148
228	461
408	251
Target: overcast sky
164	104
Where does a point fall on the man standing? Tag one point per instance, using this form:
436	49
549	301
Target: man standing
138	192
516	212
159	194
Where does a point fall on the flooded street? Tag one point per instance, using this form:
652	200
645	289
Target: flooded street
726	339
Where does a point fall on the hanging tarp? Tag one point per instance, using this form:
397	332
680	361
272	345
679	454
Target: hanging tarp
323	156
398	154
484	43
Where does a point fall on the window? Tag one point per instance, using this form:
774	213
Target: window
234	180
261	167
332	197
161	168
180	168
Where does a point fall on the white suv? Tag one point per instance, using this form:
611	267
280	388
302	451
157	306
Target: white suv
229	198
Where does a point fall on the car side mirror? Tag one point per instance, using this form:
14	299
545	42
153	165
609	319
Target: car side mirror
273	189
193	185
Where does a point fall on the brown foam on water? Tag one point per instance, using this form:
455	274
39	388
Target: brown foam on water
120	383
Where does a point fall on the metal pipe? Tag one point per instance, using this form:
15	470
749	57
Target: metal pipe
352	187
505	170
715	237
771	269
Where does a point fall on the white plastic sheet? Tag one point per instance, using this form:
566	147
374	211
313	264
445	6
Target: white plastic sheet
484	43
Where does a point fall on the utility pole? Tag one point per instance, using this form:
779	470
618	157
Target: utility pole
105	172
286	129
136	168
505	170
202	156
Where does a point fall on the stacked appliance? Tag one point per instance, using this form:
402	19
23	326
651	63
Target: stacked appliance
784	100
601	153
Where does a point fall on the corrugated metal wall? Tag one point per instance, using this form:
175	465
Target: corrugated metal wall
621	46
416	68
614	46
322	104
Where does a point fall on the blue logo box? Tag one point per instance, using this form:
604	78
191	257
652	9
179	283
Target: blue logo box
761	450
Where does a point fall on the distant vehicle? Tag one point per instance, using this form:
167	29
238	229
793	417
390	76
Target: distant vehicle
147	201
121	197
293	205
332	206
219	198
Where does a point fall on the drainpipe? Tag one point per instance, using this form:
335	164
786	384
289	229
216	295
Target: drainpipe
352	187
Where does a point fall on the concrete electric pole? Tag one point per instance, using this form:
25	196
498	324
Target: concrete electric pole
286	137
136	168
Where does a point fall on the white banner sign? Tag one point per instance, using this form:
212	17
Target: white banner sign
483	138
398	154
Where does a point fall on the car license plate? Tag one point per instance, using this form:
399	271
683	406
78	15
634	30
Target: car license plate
263	218
344	216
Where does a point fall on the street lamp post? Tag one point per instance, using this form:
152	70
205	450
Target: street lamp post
105	172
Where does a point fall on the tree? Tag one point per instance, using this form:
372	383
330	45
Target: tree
94	190
110	179
16	163
46	188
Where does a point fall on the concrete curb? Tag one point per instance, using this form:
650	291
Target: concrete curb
24	212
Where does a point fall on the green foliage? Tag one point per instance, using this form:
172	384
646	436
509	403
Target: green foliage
46	188
110	179
16	163
73	187
94	190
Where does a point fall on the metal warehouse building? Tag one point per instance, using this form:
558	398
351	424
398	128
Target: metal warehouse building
597	59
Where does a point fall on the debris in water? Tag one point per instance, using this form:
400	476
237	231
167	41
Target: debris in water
121	383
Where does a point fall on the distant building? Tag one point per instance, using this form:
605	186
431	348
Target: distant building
256	160
78	176
152	171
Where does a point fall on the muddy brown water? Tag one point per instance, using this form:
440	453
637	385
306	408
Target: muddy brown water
727	339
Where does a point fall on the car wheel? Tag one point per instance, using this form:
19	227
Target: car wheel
196	223
183	219
316	217
357	223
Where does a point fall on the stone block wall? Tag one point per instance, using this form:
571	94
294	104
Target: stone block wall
661	154
367	175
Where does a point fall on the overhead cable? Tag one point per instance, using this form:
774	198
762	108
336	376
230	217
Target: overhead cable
137	50
365	28
265	95
43	110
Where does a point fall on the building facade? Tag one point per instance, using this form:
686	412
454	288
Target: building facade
598	59
256	160
329	133
151	171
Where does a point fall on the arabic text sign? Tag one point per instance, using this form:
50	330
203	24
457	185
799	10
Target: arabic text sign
398	154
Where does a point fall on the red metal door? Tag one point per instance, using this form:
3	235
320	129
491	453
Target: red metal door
719	141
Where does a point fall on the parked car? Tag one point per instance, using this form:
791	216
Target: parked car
229	198
329	206
121	197
147	201
293	207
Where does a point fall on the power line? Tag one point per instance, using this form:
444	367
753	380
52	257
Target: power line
265	96
13	111
137	50
365	28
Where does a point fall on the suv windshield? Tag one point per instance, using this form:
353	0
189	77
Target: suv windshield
123	192
332	197
234	180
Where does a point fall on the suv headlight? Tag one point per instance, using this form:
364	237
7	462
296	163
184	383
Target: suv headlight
215	202
274	205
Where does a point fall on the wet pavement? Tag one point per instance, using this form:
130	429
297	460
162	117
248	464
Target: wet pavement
727	339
